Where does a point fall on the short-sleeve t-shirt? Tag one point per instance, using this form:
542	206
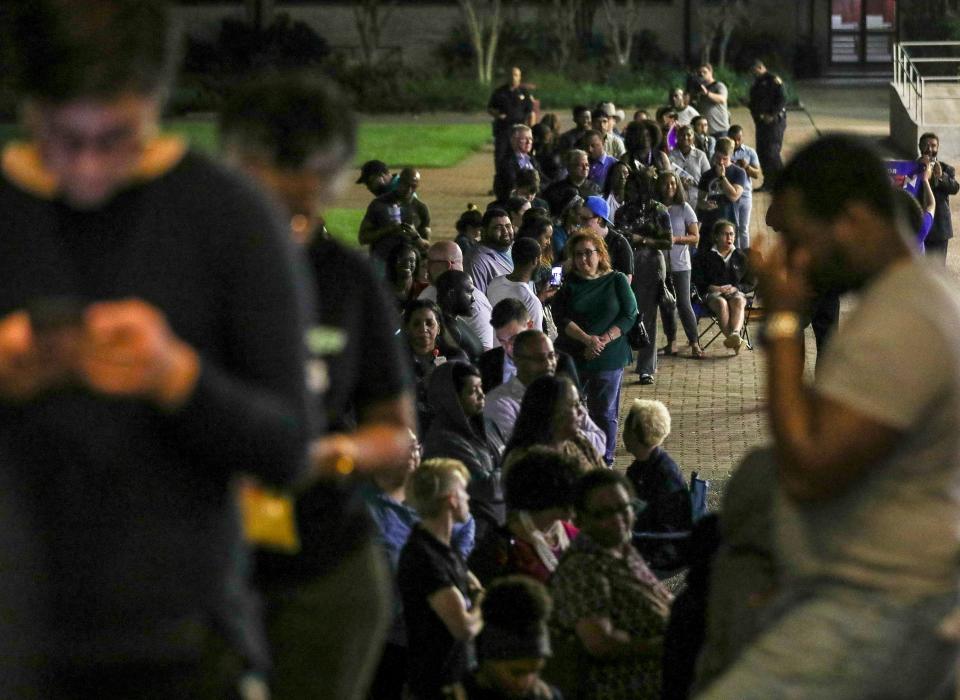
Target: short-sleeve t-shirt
896	361
748	154
717	114
501	288
726	209
435	658
681	216
383	211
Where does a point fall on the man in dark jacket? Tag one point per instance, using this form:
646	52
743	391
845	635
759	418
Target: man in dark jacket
944	183
510	104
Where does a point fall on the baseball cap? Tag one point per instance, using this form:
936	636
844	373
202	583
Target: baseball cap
370	168
599	206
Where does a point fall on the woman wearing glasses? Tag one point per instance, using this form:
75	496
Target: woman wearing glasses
593	310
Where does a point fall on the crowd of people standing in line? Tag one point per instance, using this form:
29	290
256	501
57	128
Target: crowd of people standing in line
232	468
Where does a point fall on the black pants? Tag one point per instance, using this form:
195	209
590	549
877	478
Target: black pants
769	144
937	249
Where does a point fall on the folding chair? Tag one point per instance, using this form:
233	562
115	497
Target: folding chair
703	312
667	553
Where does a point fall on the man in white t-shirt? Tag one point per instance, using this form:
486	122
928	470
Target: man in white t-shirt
867	509
519	283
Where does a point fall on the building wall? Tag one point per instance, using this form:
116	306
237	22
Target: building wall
419	28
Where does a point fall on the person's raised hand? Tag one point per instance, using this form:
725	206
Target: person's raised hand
783	279
129	350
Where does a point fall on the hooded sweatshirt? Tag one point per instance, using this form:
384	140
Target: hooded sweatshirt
469	440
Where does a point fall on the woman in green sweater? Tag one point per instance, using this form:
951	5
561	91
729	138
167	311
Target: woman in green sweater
593	310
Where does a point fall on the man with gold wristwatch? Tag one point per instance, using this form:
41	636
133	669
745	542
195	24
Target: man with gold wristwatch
867	457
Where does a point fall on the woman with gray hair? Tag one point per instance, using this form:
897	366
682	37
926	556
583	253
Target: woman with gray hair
655	477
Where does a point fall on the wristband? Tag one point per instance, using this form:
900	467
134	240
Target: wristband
782	325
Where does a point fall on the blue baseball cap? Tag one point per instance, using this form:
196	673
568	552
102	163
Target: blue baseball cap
599	206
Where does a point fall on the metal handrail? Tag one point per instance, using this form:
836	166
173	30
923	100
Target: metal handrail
910	81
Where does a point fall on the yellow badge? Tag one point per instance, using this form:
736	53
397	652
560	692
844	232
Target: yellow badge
268	519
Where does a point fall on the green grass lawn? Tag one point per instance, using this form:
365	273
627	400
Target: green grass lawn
422	145
397	144
343	224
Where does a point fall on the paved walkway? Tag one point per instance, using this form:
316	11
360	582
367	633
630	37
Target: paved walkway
716	403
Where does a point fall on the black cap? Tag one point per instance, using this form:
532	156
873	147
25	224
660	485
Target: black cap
372	167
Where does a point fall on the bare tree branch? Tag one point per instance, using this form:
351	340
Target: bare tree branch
622	20
483	19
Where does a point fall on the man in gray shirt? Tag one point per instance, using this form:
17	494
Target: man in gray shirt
866	509
492	257
711	101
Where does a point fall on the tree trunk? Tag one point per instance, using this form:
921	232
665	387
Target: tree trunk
260	13
724	42
493	40
484	35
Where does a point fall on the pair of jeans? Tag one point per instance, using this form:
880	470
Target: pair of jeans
681	285
602	390
743	221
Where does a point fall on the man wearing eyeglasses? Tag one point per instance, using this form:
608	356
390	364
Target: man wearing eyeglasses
535	357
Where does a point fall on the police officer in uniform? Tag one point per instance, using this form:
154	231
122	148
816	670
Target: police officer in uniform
509	104
768	101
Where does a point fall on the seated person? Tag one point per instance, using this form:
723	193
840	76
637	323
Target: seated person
436	589
513	645
655	477
610	610
539	495
722	276
509	318
455	299
459	431
552	415
665	504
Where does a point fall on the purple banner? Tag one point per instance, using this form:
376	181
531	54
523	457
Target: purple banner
905	175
